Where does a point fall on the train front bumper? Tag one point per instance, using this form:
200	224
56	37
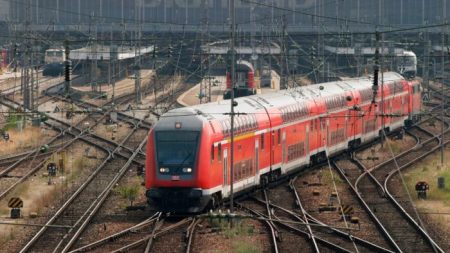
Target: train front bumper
180	200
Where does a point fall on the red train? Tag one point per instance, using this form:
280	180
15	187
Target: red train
245	80
4	58
188	150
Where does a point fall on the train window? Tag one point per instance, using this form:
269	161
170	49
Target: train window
219	152
241	124
323	124
212	153
279	136
245	123
262	141
236	124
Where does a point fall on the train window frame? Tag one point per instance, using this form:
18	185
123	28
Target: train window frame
219	152
279	136
255	121
262	141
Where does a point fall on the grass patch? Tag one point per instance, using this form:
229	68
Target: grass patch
239	234
240	228
327	177
129	191
242	246
396	148
429	171
12	120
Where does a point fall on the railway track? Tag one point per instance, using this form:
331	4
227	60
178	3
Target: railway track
400	228
167	235
120	238
28	165
80	208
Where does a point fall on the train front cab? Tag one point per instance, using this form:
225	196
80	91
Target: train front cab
174	167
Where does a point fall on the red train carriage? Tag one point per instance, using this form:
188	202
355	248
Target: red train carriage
4	58
245	80
188	152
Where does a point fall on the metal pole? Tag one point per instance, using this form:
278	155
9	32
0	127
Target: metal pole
444	17
233	62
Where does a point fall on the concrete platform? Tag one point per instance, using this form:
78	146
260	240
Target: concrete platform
191	97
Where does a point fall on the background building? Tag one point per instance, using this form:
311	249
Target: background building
299	14
4	10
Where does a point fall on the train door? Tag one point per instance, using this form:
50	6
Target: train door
307	141
225	173
283	147
323	132
256	161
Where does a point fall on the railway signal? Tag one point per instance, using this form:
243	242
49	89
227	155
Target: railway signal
51	169
15	203
169	51
43	148
5	136
421	188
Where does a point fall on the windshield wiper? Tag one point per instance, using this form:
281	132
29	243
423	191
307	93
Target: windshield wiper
184	160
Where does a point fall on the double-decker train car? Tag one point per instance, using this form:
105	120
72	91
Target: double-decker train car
245	80
188	150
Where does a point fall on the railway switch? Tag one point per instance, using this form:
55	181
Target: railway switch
421	188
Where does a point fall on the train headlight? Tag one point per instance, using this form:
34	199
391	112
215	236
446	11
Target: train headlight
187	170
164	170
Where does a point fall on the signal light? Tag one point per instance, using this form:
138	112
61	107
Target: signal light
67	70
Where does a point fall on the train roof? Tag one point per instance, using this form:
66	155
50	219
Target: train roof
220	110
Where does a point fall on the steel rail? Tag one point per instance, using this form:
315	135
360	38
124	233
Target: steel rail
118	235
300	232
89	214
77	192
268	223
157	226
303	211
403	212
338	232
135	244
190	234
39	166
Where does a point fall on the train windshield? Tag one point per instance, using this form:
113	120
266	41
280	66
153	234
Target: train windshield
54	53
177	148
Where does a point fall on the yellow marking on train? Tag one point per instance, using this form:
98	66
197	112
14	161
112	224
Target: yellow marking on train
241	137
